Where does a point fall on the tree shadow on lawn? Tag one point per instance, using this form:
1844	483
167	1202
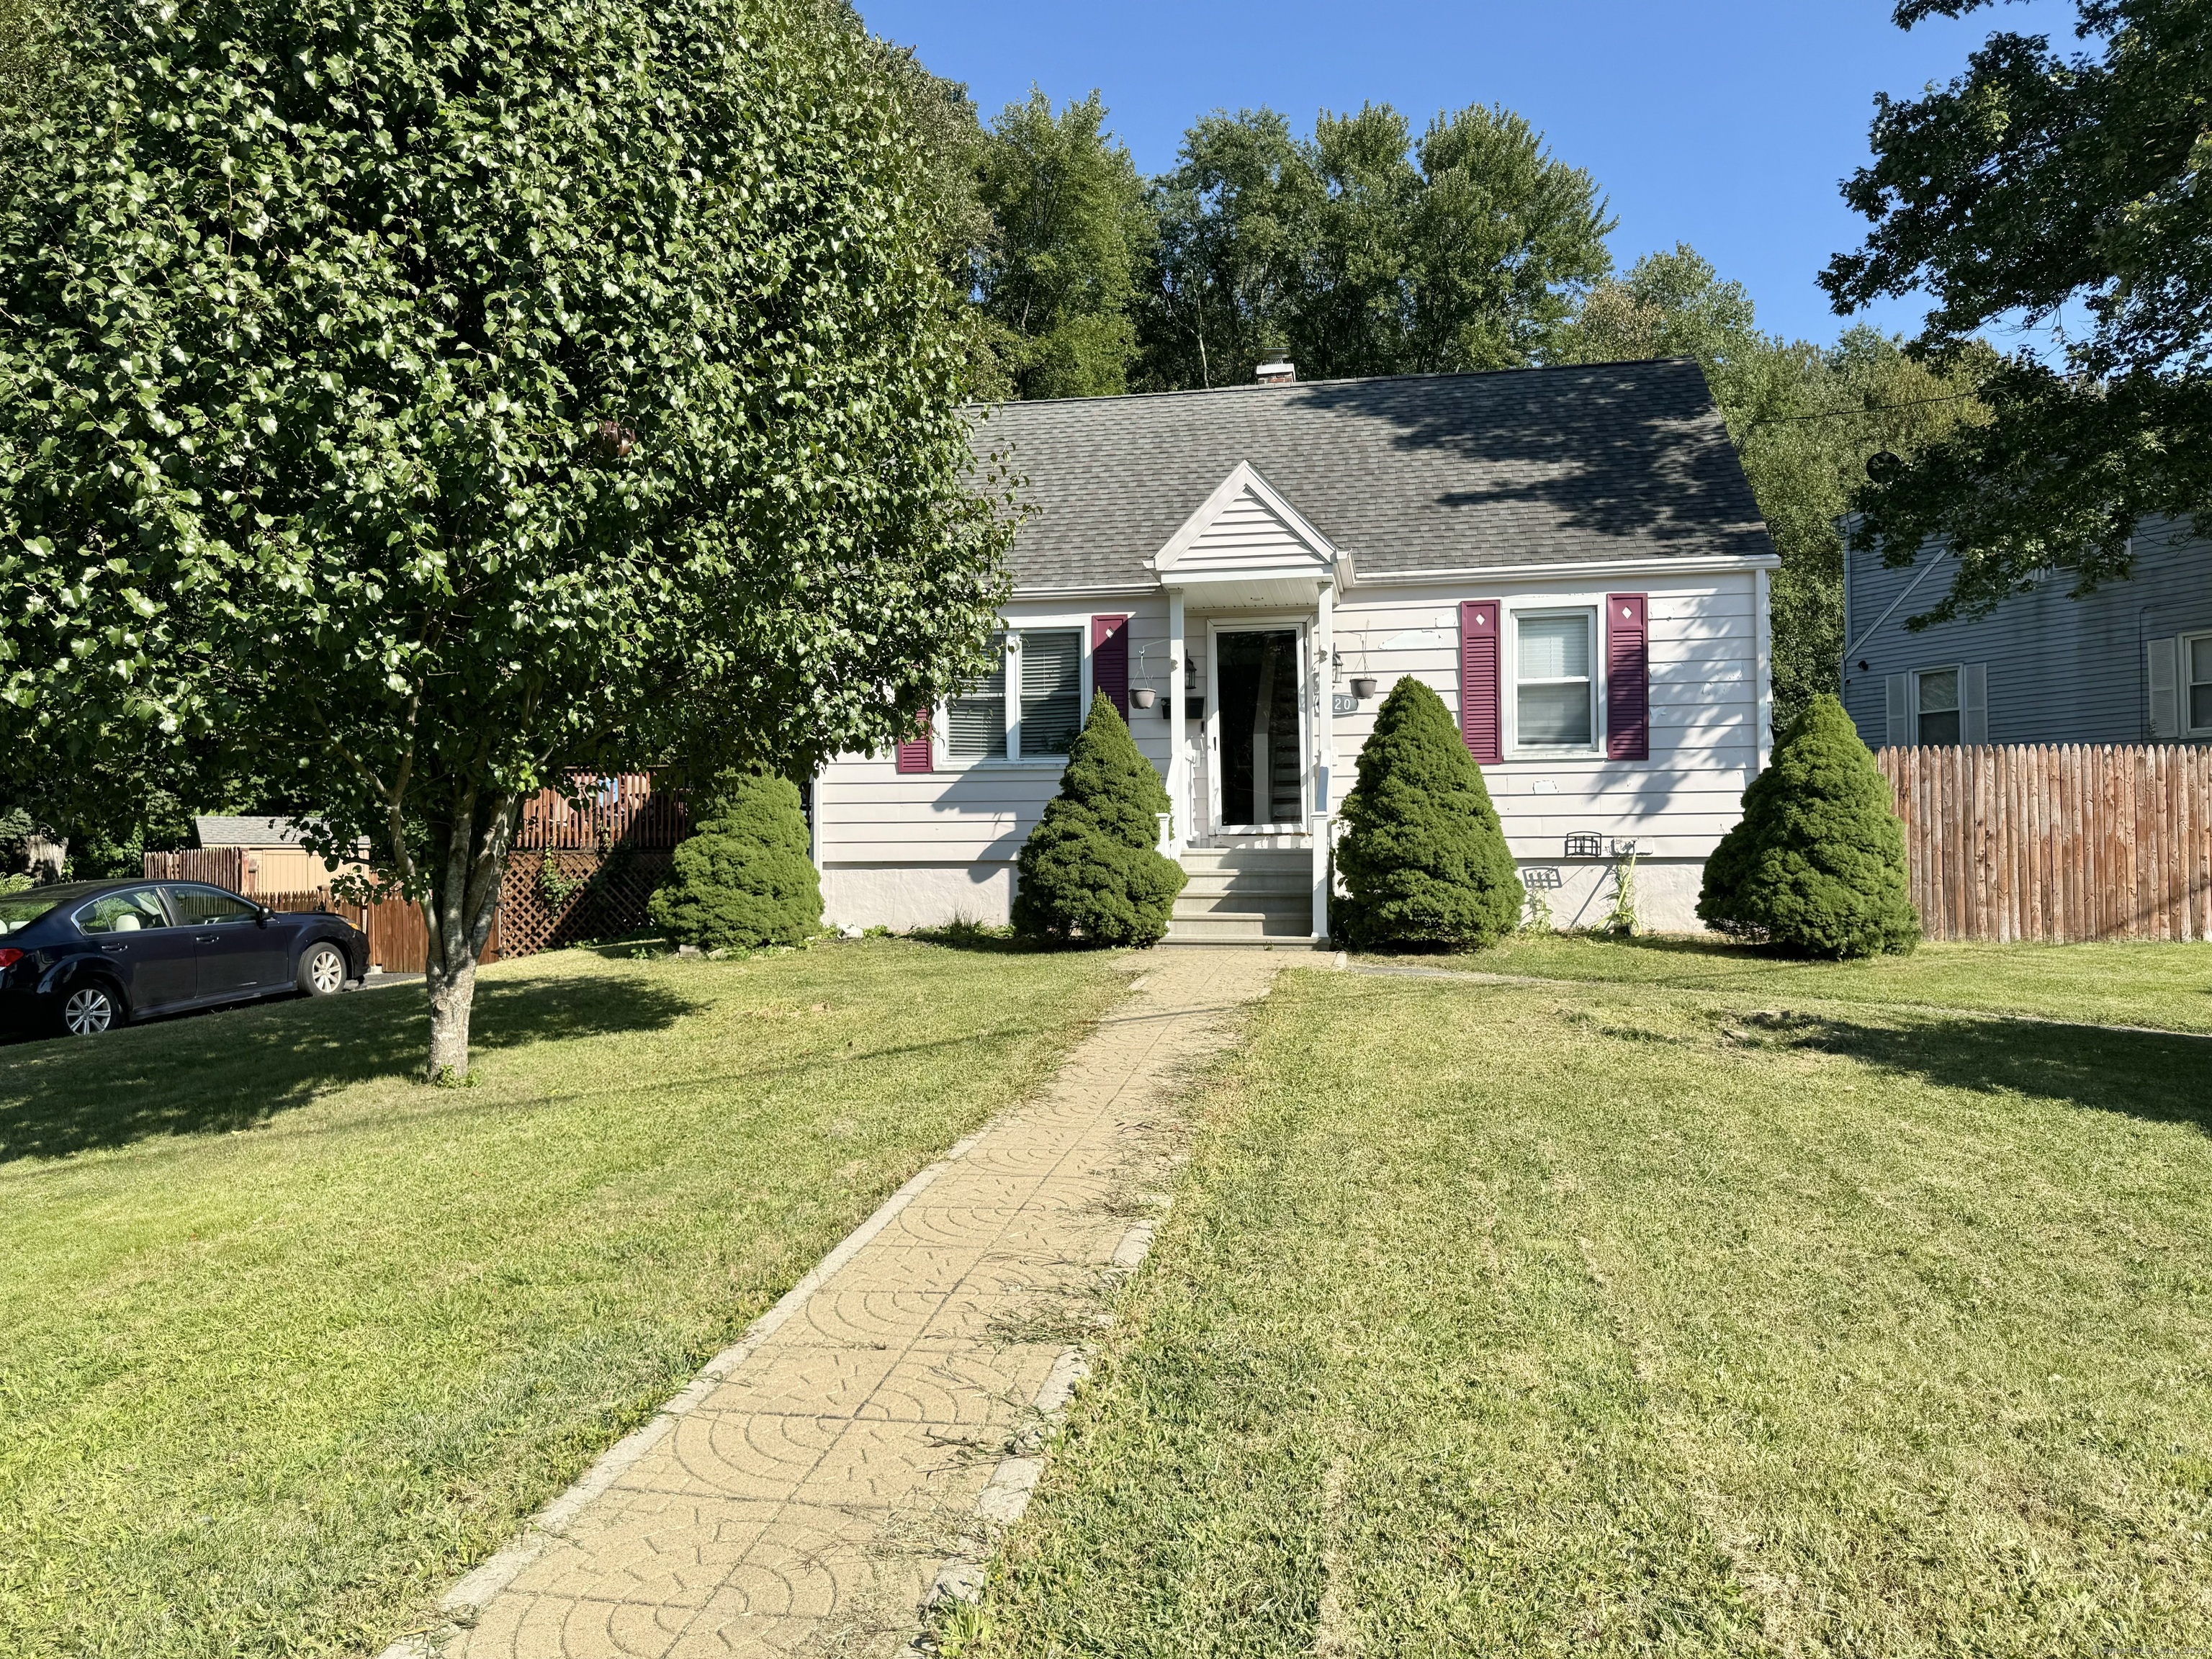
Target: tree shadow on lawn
236	1068
2151	1075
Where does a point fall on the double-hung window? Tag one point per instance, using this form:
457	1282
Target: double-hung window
1555	690
975	720
1028	707
1935	706
2196	688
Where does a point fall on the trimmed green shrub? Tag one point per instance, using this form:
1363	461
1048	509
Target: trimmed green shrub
743	878
1817	864
1423	859
1092	868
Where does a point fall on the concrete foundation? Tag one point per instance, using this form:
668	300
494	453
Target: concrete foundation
904	896
1580	892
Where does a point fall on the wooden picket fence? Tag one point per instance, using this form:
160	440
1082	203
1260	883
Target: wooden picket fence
219	866
2058	843
399	942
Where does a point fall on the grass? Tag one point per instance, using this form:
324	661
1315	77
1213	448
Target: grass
287	1341
1602	1319
2166	986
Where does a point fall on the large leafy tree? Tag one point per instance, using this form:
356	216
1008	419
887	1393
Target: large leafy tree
2064	190
1361	250
1805	419
1072	231
445	397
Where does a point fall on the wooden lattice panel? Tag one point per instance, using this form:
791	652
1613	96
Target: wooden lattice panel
592	896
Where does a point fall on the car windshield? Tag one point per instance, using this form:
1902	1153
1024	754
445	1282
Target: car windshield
18	910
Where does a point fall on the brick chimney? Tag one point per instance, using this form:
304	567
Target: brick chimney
1277	373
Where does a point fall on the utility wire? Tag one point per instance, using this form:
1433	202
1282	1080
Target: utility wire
1834	414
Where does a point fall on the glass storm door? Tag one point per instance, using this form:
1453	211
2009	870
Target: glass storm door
1257	730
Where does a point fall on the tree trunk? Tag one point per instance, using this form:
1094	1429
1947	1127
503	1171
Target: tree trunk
453	999
458	913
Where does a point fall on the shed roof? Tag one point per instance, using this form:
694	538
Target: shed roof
220	831
1589	463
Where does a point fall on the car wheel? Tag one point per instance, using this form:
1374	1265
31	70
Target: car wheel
89	1010
322	970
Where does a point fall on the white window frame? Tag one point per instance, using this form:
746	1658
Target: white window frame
941	723
1591	608
2185	651
1958	672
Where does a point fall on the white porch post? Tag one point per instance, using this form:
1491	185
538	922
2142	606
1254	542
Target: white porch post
1322	806
1178	766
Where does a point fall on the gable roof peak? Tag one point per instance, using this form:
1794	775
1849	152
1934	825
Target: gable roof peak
1245	524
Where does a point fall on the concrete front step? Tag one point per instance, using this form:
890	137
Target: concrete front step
1260	885
1244	894
1240	927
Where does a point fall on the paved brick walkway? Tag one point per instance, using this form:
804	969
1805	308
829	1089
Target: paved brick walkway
804	1493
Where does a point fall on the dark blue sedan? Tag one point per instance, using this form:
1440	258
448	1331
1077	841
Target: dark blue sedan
81	957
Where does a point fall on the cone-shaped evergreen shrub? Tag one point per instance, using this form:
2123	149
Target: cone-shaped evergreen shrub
1817	865
743	878
1423	861
1091	866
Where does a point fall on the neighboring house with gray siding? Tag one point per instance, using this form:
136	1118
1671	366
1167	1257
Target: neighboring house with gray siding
2129	663
1570	556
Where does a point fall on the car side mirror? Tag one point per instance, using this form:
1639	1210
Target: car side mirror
262	918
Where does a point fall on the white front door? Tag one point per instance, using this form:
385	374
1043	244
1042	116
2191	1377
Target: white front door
1258	725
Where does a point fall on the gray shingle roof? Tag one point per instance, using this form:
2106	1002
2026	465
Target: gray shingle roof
245	831
1411	472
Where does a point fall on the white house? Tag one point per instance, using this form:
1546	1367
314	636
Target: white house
1570	556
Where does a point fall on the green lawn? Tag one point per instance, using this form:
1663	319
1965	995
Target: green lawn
2167	985
286	1340
1602	1319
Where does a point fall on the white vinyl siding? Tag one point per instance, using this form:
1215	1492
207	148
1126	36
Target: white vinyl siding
966	824
1704	691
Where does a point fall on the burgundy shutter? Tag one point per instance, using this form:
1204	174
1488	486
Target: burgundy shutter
1627	678
917	753
1478	681
1109	660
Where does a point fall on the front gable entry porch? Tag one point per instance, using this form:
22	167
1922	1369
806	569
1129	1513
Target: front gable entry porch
1249	779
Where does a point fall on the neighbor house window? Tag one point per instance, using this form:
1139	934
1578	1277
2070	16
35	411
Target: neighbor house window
1935	692
1028	707
1555	700
2197	664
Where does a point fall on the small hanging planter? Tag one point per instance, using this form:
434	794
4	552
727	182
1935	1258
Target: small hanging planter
1362	686
1143	696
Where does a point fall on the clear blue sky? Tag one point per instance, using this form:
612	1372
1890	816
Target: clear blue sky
1726	123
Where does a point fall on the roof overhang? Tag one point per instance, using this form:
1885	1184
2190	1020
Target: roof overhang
1679	564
